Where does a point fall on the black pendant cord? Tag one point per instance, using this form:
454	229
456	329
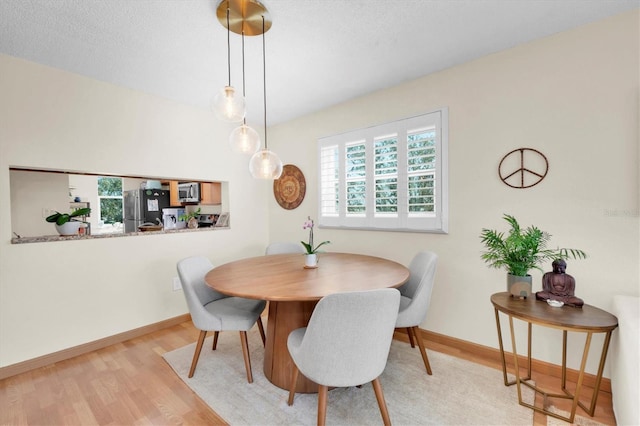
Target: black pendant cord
244	94
228	47
264	74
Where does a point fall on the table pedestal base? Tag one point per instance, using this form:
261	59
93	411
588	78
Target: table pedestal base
284	317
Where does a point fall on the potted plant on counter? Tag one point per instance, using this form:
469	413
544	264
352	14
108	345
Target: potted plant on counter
191	218
65	222
520	251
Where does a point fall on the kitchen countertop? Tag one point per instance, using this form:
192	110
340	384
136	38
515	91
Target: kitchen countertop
52	238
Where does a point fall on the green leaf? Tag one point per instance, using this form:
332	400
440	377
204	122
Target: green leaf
315	250
522	249
311	250
80	212
52	218
63	218
307	247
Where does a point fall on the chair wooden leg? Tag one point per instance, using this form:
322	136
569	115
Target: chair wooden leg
261	329
215	340
294	382
196	354
410	337
377	388
322	404
423	352
245	353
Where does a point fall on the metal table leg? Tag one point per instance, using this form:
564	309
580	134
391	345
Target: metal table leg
502	354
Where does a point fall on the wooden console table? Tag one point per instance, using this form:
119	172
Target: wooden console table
587	319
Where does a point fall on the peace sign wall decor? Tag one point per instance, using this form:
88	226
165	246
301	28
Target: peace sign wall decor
523	168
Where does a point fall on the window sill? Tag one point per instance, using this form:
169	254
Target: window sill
374	228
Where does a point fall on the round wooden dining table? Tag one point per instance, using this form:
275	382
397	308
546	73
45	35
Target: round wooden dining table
293	291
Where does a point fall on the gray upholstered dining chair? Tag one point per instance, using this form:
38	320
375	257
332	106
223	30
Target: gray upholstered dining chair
214	311
346	343
284	247
416	297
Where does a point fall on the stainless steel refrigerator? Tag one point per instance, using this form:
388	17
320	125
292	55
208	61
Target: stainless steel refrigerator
144	206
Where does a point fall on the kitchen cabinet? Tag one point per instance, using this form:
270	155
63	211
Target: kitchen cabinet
174	200
210	193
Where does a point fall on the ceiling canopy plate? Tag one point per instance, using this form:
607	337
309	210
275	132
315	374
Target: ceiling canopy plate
244	15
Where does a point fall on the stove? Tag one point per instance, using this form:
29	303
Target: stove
206	220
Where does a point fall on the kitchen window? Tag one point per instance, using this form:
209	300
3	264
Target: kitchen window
110	197
388	177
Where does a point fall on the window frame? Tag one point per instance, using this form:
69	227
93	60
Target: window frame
333	147
109	197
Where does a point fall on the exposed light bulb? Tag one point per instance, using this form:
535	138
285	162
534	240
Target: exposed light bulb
265	164
244	140
228	105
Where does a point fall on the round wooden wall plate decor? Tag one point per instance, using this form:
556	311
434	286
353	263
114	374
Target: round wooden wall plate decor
290	188
523	168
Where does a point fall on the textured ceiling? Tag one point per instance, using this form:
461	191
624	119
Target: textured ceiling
319	52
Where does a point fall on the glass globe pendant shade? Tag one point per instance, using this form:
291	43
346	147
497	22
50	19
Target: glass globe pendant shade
265	164
228	105
244	140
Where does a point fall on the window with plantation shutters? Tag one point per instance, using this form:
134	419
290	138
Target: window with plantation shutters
385	163
421	167
329	176
355	178
389	177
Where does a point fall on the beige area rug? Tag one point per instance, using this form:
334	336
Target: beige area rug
577	420
458	393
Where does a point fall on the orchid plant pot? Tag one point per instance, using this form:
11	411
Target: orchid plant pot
310	260
69	228
311	256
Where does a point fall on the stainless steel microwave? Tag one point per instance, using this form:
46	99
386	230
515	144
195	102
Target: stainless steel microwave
189	192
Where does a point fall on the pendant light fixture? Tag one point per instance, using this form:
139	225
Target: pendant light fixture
265	164
243	139
227	105
250	17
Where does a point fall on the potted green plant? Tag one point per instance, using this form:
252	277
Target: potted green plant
520	251
65	222
190	218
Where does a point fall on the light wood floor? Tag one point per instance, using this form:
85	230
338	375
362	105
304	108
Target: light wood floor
130	383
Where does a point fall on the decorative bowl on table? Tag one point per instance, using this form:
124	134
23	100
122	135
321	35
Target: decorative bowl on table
555	303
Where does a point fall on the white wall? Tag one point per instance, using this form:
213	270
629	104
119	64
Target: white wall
574	97
36	195
29	207
58	295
